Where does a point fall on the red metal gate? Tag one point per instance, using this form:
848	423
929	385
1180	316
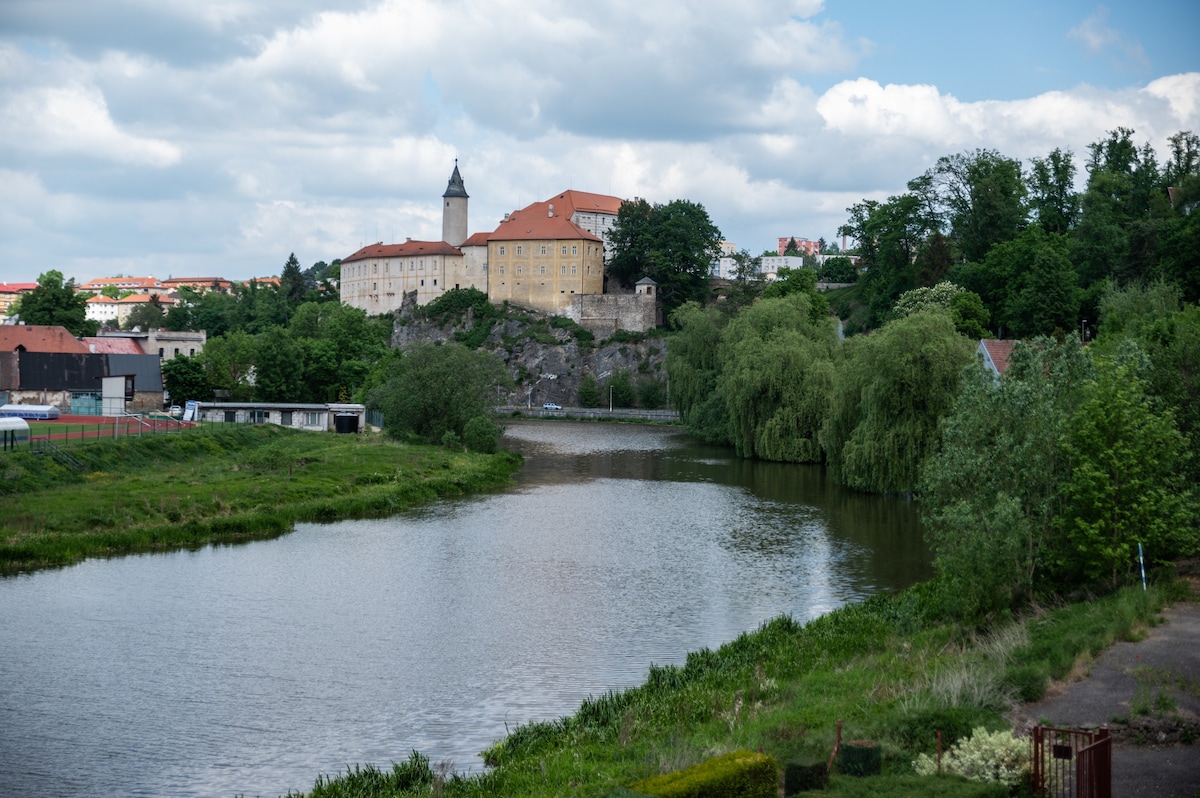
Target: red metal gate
1072	763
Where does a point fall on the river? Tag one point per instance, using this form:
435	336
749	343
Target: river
250	669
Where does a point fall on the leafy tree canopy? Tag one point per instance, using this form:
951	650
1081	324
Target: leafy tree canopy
674	244
55	303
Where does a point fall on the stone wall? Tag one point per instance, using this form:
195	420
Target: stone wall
604	314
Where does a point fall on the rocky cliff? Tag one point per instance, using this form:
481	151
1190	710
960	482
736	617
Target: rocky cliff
548	356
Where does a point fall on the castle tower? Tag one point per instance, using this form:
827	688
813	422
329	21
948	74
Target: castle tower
454	212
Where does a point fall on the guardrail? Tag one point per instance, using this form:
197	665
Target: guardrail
591	413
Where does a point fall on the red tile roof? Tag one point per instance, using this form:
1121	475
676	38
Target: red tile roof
541	221
996	353
16	288
113	346
120	282
39	338
570	201
407	249
477	240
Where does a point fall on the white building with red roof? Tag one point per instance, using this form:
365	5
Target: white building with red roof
10	293
540	257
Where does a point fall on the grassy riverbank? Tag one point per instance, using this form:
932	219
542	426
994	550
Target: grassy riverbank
886	667
216	485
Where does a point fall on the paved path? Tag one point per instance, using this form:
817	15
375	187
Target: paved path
1148	759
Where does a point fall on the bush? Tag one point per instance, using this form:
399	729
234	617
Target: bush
744	774
985	756
481	434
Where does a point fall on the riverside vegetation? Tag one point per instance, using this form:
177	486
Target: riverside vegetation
217	485
887	667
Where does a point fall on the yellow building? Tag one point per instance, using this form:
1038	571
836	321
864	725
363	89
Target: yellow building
539	258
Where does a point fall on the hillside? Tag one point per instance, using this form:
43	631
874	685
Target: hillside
548	356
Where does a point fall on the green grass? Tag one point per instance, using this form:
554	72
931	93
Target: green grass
887	670
216	485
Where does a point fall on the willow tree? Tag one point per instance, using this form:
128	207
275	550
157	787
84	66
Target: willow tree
891	389
777	378
693	362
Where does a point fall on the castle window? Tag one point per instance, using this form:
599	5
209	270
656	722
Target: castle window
574	268
501	249
543	250
520	249
421	265
422	283
518	270
574	250
543	268
564	249
435	282
502	271
564	268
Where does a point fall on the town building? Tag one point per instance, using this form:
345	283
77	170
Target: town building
115	312
541	257
200	284
803	245
135	285
10	293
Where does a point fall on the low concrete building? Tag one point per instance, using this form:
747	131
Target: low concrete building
311	416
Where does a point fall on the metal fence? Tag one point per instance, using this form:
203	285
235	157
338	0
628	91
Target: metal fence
1071	763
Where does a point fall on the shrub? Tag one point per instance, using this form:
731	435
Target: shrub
985	756
739	773
481	435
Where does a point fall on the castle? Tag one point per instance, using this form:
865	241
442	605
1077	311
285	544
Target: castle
548	256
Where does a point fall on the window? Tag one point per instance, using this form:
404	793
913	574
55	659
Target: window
520	249
176	351
574	250
564	268
435	282
258	416
285	418
501	249
574	268
230	416
191	353
518	270
312	418
422	283
543	271
502	270
564	249
412	264
160	351
421	265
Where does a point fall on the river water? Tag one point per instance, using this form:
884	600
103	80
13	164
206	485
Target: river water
250	669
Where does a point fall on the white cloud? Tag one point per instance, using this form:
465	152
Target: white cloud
74	120
1099	39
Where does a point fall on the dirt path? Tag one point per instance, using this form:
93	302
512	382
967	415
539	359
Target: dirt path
1148	694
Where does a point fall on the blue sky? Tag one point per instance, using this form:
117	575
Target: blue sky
215	137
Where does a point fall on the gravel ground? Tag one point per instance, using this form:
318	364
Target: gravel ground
1148	694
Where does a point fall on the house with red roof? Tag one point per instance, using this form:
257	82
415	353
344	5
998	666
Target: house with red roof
994	353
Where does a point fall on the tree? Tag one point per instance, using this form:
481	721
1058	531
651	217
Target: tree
889	235
277	367
839	270
229	361
799	281
589	392
673	244
964	307
434	389
55	303
146	316
989	491
892	387
1126	486
651	392
620	389
982	197
693	364
1053	199
776	378
292	283
792	247
184	378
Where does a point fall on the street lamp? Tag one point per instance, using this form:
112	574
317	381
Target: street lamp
1083	330
610	398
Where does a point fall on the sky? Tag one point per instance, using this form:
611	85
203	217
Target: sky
187	138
